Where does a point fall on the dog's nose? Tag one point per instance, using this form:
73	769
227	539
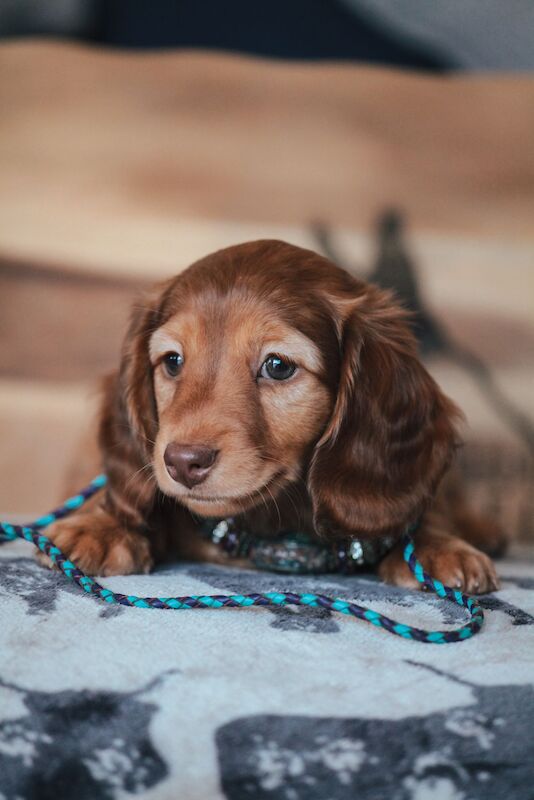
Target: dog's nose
189	463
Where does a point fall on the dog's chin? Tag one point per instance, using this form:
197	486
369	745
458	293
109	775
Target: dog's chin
204	504
227	507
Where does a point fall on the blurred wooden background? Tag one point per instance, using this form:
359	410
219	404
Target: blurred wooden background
117	169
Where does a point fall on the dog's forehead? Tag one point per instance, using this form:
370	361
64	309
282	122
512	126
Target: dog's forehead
236	324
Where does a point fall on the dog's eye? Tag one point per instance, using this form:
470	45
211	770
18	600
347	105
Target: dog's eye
173	364
276	368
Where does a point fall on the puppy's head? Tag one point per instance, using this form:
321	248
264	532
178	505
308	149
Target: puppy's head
265	364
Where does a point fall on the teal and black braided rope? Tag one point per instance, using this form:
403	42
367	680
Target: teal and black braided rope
33	533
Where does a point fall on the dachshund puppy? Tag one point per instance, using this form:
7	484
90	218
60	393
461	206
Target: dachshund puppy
266	384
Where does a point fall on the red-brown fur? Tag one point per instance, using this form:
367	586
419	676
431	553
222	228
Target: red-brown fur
355	443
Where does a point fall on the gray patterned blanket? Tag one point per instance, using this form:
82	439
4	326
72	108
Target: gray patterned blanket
108	703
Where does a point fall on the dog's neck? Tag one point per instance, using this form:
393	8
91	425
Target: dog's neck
279	536
288	510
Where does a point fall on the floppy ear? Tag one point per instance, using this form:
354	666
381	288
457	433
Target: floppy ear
136	387
128	423
391	435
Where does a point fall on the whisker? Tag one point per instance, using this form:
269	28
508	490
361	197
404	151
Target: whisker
137	472
140	435
286	491
276	506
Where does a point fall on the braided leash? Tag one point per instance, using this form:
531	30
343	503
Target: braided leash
32	533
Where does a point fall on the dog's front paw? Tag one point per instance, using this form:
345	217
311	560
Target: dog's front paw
98	545
448	559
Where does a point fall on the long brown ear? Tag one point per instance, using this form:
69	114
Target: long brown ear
128	423
391	435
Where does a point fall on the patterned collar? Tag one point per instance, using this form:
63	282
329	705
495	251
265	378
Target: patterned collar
295	552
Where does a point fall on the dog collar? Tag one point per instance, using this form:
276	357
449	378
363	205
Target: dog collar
295	552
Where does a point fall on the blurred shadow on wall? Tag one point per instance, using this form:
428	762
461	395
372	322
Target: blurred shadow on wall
288	29
412	34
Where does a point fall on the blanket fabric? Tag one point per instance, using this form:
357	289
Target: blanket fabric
103	702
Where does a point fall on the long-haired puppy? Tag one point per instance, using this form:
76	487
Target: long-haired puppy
266	384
